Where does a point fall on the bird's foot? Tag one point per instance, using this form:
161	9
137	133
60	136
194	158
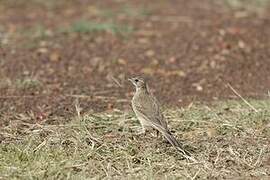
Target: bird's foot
139	130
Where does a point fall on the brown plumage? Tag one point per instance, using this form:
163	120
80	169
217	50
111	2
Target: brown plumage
147	110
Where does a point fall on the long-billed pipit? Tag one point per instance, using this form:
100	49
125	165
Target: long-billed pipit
147	110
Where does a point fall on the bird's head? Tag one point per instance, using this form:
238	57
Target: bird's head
138	82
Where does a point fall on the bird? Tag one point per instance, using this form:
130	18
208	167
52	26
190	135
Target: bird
147	109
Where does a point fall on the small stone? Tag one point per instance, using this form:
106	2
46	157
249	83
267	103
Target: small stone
121	61
150	53
241	44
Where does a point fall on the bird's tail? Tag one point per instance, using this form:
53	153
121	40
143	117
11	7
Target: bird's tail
172	140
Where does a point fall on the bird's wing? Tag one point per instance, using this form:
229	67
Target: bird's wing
148	107
159	114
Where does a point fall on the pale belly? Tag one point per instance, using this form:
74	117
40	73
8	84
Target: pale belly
144	122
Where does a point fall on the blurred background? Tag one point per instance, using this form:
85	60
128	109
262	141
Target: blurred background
54	52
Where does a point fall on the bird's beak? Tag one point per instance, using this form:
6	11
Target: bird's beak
132	81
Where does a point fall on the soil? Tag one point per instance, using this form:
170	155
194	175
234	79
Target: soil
187	50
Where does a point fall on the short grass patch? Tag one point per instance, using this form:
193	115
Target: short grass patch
83	26
126	10
228	139
25	83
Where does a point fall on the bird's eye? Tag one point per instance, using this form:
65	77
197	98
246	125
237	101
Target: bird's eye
136	80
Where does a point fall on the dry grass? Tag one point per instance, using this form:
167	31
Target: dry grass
228	139
250	5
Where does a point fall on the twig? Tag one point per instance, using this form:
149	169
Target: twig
78	108
245	101
104	98
77	96
116	81
28	96
194	177
259	157
40	146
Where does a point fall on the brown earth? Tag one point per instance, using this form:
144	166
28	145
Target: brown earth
188	50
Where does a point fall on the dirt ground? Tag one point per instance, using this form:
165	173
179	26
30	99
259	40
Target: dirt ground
54	52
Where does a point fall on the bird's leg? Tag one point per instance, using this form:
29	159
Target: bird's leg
157	133
141	131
